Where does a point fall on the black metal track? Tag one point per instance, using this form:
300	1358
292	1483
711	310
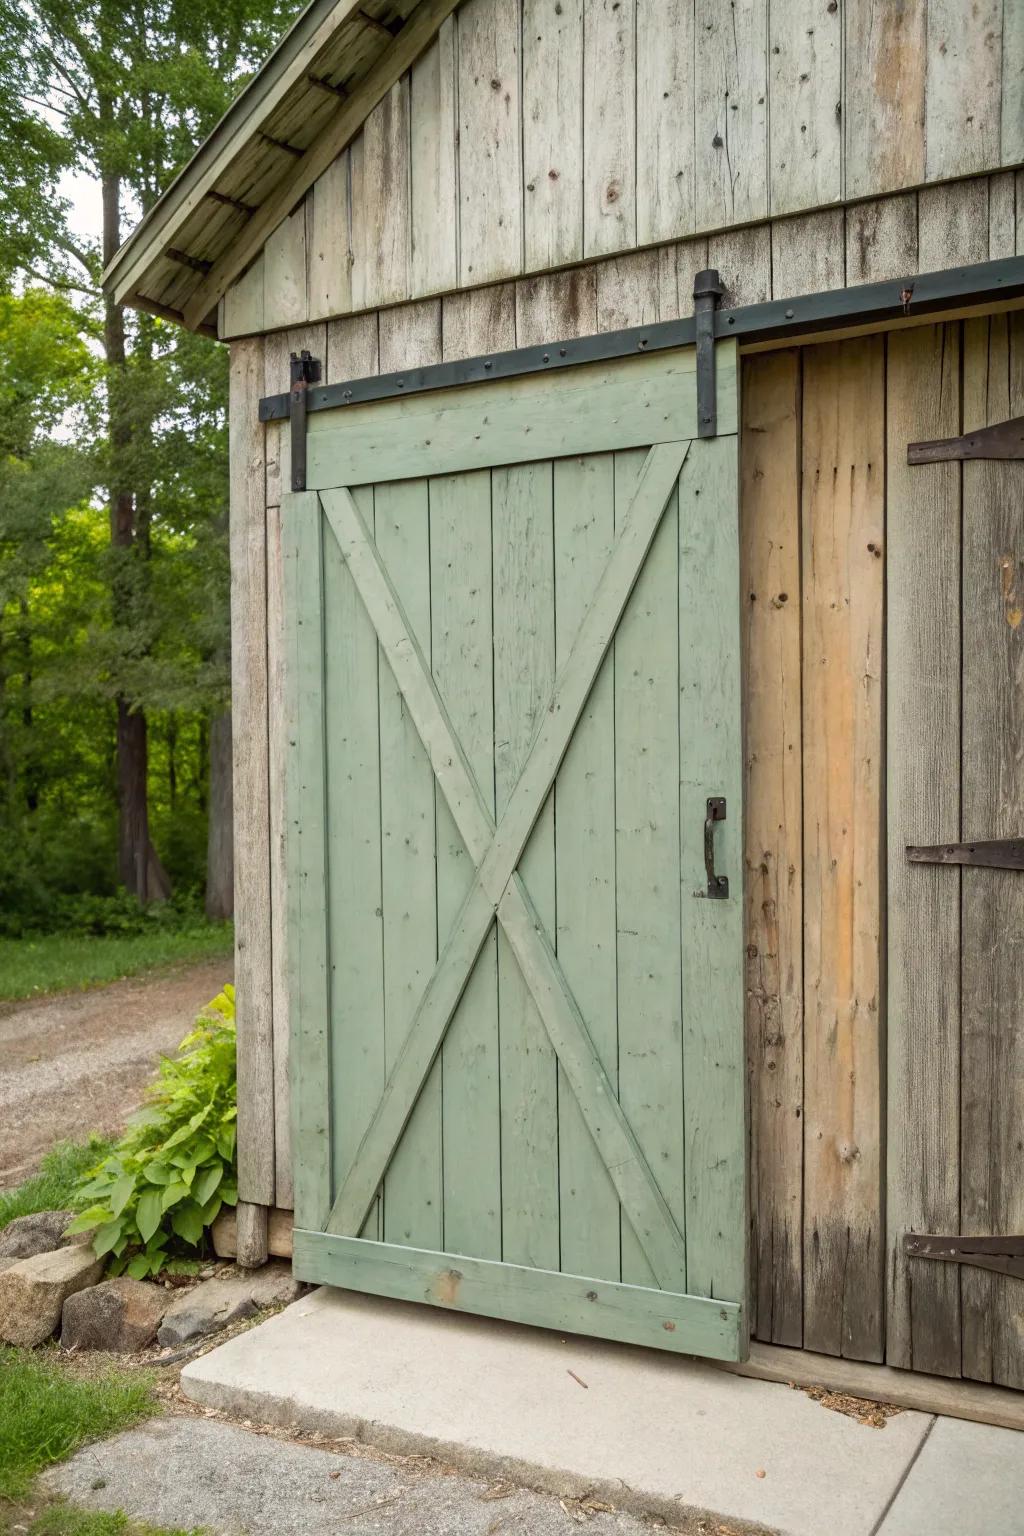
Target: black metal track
870	304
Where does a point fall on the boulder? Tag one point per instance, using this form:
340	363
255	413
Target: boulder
215	1303
121	1314
33	1292
25	1236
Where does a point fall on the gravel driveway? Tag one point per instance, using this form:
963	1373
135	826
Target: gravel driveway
77	1063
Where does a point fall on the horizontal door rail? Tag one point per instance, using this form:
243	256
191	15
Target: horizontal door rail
868	304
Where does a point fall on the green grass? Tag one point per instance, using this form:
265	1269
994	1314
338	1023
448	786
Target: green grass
65	1520
50	1189
56	962
47	1412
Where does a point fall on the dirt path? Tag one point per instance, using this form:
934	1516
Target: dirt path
77	1063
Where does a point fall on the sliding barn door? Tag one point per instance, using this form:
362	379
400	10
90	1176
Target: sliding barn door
514	839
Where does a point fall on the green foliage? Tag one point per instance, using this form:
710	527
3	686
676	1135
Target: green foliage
46	1413
166	1179
53	1187
65	1520
40	964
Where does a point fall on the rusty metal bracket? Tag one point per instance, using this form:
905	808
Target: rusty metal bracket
707	292
1003	1255
1004	440
1000	853
305	370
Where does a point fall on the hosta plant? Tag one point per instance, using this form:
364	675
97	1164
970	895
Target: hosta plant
149	1203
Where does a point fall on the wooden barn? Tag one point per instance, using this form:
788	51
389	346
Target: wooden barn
628	708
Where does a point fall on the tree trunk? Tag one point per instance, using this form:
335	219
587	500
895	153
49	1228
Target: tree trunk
220	887
139	868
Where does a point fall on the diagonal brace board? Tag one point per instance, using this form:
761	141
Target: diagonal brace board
496	855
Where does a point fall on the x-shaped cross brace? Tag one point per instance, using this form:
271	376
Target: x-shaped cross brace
497	889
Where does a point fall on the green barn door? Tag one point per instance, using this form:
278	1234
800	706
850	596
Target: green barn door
517	1017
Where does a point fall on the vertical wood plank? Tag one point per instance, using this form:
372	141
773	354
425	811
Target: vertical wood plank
462	663
773	851
881	239
1002	215
483	320
922	806
410	336
609	127
664	120
285	301
647	867
1011	137
884	62
353	349
962	98
843	517
381	197
711	762
585	863
731	113
330	265
638	289
805	83
306	846
952	224
355	901
490	142
242	309
524	674
435	219
552	132
251	789
412	1186
278	714
556	306
743	258
808	253
992	1083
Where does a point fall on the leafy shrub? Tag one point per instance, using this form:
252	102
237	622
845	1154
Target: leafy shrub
165	1181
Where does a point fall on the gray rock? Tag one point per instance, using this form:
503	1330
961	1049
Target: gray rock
33	1292
28	1235
121	1314
216	1303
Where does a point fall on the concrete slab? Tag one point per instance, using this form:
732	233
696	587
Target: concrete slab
189	1472
650	1433
968	1478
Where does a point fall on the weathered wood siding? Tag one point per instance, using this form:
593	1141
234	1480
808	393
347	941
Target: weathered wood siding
540	133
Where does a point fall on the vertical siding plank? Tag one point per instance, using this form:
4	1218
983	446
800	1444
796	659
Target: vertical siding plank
251	789
922	806
710	762
664	120
731	113
638	289
353	349
552	132
770	592
330	267
556	306
1012	121
647	867
309	972
881	239
410	336
242	309
992	1082
952	224
809	253
412	1185
585	863
483	320
278	712
884	60
743	258
962	97
843	514
524	674
355	920
609	127
805	83
1002	215
435	219
462	662
285	301
381	197
490	142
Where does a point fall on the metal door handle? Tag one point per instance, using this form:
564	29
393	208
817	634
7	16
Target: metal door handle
718	885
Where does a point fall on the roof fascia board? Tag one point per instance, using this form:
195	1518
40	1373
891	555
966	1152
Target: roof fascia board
416	35
308	34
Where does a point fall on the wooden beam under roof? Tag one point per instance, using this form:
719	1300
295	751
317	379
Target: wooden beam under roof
415	36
